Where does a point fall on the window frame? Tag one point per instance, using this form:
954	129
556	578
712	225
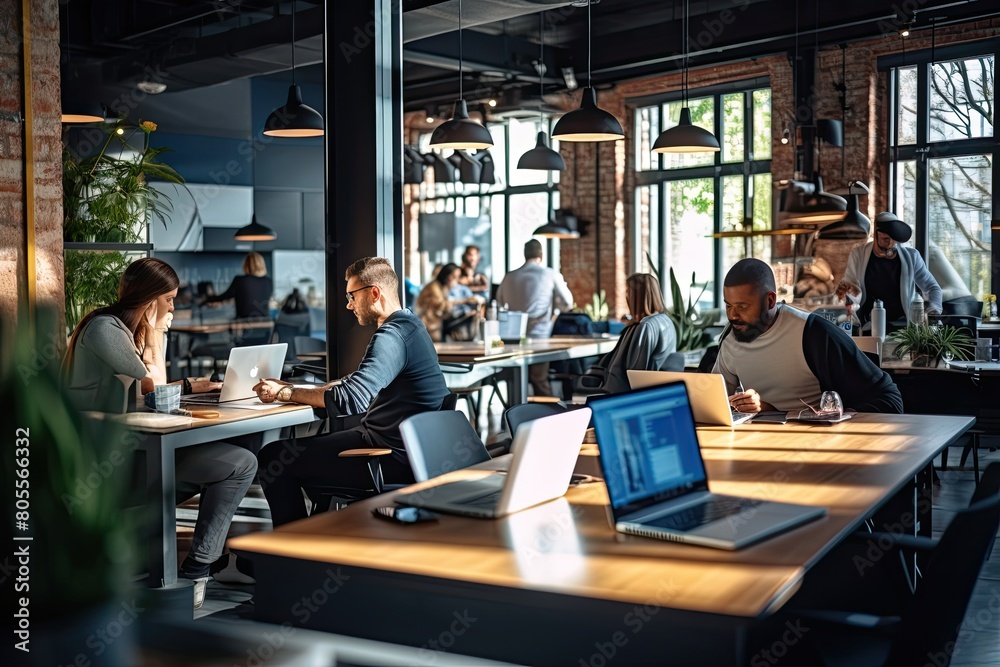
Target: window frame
924	150
748	167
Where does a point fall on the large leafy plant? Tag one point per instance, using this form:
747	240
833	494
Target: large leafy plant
597	309
106	197
932	342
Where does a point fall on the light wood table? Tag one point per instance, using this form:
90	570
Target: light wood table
556	585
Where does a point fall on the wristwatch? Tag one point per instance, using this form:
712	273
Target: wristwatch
284	394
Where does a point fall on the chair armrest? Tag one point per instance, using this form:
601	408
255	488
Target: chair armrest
915	542
363	452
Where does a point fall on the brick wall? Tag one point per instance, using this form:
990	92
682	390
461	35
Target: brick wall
46	204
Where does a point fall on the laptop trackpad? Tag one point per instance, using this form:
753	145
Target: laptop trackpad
759	521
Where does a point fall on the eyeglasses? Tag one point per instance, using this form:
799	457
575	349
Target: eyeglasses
350	295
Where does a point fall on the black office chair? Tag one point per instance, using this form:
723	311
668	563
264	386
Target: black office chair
371	482
516	415
439	442
929	622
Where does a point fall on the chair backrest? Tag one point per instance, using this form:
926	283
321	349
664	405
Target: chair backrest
572	324
932	620
516	415
674	362
439	442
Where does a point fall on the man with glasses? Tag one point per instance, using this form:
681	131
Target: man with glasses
398	377
773	355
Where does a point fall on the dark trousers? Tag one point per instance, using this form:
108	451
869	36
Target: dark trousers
538	376
287	466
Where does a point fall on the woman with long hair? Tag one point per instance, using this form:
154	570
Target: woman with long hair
126	340
648	339
442	311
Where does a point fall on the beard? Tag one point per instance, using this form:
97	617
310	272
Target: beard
365	314
750	334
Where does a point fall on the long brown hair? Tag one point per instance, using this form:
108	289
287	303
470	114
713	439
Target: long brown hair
142	282
644	296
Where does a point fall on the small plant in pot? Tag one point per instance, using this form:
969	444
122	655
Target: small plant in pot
925	345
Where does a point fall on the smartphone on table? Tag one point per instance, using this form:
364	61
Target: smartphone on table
404	514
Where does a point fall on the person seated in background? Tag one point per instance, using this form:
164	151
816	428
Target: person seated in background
648	339
885	269
444	314
777	354
398	377
127	339
476	282
251	291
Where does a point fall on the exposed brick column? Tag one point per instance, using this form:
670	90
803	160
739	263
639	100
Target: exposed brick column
47	146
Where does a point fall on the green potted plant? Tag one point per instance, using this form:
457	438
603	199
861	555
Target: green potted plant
925	345
107	199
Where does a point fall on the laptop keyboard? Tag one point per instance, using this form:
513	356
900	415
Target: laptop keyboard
707	512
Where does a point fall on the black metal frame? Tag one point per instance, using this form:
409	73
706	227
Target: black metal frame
747	167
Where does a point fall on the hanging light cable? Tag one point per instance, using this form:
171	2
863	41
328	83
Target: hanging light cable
541	156
294	119
460	132
589	122
76	108
685	137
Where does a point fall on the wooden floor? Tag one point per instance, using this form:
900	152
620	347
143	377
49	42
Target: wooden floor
979	641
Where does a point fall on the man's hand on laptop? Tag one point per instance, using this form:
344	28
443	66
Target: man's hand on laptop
202	385
749	401
267	389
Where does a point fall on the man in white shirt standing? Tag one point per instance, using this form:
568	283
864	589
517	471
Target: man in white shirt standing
540	292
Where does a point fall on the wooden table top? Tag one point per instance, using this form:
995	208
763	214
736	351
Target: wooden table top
217	326
568	547
146	420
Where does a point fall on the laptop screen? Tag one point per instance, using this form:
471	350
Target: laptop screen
649	446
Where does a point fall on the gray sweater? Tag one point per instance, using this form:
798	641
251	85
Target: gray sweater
104	351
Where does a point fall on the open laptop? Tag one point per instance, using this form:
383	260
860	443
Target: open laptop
544	453
709	399
247	366
656	477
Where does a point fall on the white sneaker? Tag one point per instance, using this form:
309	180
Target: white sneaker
199	591
230	574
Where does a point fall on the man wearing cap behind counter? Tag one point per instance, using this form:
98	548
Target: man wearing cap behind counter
885	269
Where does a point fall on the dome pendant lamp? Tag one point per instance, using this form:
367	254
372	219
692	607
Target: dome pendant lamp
460	132
76	108
541	156
685	137
294	119
589	122
255	232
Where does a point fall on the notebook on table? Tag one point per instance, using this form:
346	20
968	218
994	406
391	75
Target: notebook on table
543	455
247	366
656	477
709	398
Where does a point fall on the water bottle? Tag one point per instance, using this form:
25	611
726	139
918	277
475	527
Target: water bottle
878	320
916	313
492	313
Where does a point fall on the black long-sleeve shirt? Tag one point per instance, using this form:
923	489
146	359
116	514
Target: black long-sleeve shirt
252	295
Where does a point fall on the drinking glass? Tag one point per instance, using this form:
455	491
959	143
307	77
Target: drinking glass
167	397
831	404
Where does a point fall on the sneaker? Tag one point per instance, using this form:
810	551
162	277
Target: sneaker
199	591
230	572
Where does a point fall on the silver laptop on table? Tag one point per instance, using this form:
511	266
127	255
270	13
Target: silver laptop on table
709	399
247	366
656	477
544	453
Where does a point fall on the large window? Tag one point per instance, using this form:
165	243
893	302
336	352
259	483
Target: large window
943	160
505	213
681	200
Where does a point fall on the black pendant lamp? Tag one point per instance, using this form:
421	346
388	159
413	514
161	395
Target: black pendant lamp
460	132
563	226
589	122
685	137
541	156
853	226
294	119
76	107
255	232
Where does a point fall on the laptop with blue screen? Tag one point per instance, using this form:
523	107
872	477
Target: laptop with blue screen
656	478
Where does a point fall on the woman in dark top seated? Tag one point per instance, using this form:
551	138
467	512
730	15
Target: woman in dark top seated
251	291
